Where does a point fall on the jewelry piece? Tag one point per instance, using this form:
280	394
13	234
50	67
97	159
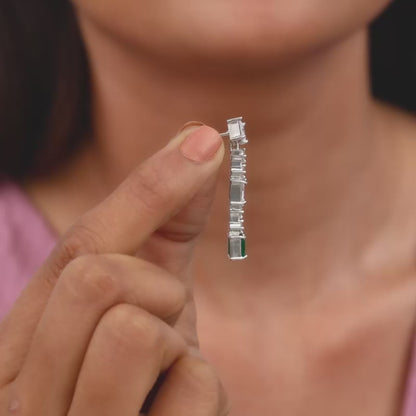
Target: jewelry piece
238	181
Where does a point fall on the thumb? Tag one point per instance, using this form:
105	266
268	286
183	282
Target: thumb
188	220
171	245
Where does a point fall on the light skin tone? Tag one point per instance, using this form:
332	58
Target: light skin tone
318	319
96	325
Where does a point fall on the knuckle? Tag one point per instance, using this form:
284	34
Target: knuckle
89	279
79	239
179	295
150	188
132	328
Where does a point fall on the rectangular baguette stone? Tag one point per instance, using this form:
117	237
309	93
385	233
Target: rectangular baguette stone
239	153
235	131
237	192
237	248
237	164
236	216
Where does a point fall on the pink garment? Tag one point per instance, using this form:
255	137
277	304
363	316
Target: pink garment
410	398
26	240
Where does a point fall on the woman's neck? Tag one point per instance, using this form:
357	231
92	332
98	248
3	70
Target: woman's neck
316	157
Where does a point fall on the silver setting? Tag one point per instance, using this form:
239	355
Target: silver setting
238	181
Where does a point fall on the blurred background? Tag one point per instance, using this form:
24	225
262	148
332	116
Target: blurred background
393	54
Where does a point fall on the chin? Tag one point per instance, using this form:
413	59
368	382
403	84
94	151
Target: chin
230	32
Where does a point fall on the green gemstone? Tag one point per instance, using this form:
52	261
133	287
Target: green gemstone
243	247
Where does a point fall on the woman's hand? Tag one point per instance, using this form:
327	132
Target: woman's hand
97	324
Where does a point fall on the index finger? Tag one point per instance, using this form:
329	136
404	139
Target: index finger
150	195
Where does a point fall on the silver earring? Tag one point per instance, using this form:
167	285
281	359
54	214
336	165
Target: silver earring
238	181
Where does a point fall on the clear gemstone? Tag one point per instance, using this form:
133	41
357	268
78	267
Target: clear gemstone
236	216
237	192
237	163
234	130
238	177
238	153
236	226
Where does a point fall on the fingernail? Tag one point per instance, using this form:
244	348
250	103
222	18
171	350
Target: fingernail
201	144
189	124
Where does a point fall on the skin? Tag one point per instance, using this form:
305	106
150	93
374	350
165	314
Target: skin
106	322
318	320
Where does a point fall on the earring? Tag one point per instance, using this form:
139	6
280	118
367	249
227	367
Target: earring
238	181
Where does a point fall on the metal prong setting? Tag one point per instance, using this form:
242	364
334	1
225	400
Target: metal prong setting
238	181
